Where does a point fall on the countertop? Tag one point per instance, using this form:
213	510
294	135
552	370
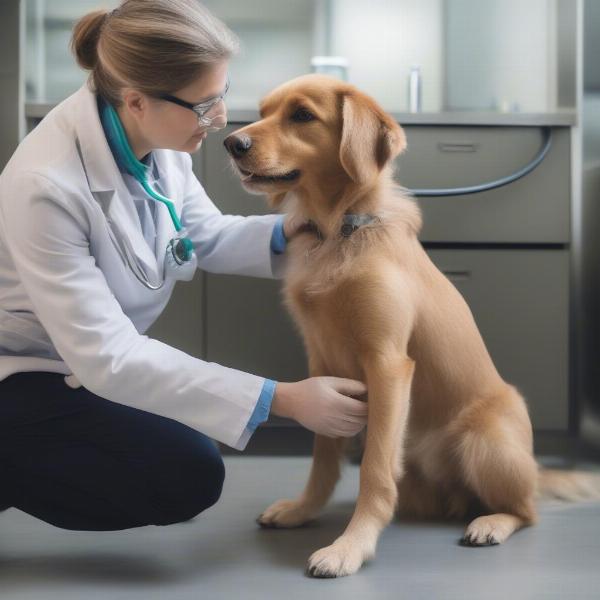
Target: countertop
561	118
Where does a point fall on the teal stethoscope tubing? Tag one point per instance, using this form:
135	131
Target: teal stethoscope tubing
181	248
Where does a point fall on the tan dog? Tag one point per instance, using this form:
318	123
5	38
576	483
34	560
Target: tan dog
446	436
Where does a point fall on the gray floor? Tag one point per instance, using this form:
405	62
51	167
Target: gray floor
222	554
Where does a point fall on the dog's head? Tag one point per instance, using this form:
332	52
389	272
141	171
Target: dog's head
314	131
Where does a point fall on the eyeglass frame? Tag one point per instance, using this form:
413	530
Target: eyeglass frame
202	108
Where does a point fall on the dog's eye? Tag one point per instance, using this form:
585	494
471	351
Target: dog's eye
302	115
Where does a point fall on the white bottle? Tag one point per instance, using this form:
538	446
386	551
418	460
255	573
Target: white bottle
414	90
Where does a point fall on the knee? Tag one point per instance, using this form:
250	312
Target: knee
206	489
199	483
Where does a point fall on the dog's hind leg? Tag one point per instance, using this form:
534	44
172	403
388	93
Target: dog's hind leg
417	497
389	380
502	472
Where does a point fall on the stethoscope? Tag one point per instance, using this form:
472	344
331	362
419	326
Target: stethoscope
180	261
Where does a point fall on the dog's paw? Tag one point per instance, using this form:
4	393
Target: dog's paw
485	531
340	559
284	514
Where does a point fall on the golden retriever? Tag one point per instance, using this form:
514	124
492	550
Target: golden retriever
446	436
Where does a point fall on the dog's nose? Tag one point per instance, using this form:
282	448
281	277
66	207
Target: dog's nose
237	145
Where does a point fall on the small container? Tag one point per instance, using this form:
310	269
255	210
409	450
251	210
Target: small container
414	90
336	66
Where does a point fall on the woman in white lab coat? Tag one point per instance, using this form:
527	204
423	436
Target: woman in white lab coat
102	427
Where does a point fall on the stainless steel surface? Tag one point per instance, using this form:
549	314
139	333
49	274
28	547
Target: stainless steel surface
566	55
11	82
564	118
589	364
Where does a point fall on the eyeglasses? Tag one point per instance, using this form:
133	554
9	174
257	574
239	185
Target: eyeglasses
211	113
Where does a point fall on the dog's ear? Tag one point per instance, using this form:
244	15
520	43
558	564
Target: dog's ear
370	138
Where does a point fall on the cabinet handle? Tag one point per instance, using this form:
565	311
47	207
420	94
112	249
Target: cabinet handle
457	146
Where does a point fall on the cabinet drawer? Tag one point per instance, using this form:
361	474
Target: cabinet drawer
520	299
248	328
534	209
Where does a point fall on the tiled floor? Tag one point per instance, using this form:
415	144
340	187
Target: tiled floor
222	554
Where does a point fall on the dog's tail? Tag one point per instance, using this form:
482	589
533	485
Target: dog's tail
569	486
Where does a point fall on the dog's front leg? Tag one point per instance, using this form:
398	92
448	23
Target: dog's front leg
389	382
324	474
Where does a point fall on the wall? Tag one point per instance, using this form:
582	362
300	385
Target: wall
488	68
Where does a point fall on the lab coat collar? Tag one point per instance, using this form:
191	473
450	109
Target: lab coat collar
108	188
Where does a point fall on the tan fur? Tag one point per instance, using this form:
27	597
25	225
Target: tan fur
446	435
570	486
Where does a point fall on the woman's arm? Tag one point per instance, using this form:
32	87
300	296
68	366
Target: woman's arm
228	244
97	340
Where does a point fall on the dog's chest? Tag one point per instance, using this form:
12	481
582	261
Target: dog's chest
323	322
306	301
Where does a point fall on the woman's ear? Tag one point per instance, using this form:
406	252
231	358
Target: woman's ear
370	138
134	101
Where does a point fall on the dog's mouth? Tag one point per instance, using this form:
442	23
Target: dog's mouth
252	177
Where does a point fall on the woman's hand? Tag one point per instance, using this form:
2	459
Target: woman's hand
323	405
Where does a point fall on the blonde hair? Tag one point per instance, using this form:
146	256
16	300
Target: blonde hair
154	46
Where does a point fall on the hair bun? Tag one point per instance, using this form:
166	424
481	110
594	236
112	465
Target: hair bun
84	41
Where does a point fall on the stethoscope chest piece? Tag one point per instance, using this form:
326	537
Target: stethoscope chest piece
180	259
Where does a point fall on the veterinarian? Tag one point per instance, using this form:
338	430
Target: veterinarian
101	427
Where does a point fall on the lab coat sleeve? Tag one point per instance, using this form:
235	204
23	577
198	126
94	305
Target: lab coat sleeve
228	244
49	244
278	239
261	411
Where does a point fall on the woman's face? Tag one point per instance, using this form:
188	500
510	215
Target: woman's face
168	125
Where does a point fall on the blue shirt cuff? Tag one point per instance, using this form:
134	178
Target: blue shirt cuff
263	406
278	239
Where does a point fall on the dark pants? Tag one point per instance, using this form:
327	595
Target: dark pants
78	461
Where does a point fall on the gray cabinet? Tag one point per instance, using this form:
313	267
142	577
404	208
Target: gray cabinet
11	100
248	328
520	301
506	251
533	210
181	324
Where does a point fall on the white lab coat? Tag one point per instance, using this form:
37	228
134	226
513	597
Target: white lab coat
69	304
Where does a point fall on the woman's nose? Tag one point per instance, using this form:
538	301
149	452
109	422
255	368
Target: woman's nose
237	144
